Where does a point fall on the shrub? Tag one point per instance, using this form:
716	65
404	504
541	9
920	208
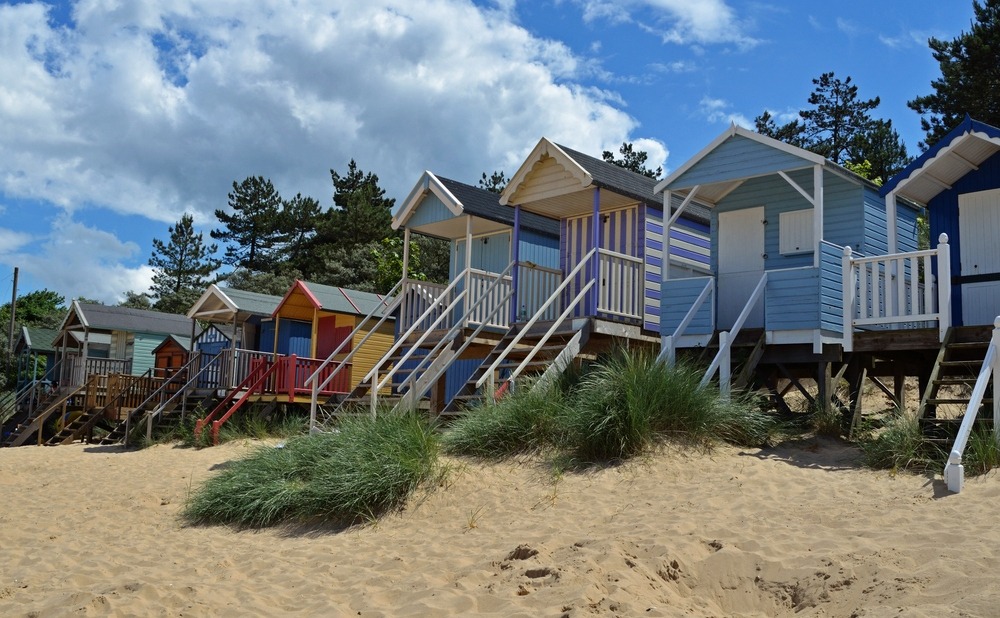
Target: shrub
899	444
367	467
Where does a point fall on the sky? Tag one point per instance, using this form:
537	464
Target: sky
119	116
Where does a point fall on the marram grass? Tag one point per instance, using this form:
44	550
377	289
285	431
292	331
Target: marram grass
367	468
524	421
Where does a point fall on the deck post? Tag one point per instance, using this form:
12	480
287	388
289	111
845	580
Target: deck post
995	342
824	380
817	212
668	352
468	272
515	248
725	364
890	221
665	253
944	285
406	251
595	266
849	299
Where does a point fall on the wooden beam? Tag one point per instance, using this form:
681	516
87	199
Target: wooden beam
824	380
788	376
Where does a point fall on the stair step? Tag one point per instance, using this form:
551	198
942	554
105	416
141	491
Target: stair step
962	363
969	345
955	380
959	400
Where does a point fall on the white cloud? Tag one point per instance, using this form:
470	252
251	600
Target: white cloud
719	111
848	27
682	22
75	259
906	40
12	240
155	109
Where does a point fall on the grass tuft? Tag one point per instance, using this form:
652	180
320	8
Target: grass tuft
523	421
368	467
898	445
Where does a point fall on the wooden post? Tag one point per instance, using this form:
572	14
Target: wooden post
824	380
898	387
665	255
944	285
849	298
406	252
515	247
468	273
817	212
890	221
595	267
725	366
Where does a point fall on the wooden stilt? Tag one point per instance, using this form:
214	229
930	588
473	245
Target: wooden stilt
824	383
788	376
857	395
898	390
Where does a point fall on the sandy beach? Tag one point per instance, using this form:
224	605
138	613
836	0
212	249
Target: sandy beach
798	530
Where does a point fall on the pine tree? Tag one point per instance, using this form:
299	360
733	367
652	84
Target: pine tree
970	76
837	117
494	183
181	267
253	230
632	160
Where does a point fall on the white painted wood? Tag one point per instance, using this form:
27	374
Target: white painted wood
890	220
795	232
978	224
818	207
741	263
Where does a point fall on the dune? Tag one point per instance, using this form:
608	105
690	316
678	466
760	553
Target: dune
797	530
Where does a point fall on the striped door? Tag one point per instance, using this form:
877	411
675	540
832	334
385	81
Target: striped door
620	233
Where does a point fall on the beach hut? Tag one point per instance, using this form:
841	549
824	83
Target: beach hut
35	356
958	181
444	330
802	260
96	339
612	252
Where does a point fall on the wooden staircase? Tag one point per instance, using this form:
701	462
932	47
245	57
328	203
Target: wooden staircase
531	351
124	393
60	403
957	364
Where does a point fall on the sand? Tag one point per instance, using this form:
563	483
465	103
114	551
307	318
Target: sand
799	530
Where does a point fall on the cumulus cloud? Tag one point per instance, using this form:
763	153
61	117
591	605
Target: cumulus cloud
676	21
907	39
77	259
154	109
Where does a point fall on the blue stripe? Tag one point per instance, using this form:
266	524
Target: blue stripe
693	225
691	255
700	241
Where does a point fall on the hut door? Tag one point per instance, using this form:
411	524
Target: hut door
978	221
741	264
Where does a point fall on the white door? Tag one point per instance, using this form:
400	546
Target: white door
978	227
741	264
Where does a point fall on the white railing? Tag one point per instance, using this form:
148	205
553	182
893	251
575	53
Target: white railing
954	471
723	358
425	374
542	311
486	291
622	284
535	285
886	289
238	364
668	350
420	299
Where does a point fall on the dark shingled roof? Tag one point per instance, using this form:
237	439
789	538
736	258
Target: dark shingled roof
136	320
486	205
626	182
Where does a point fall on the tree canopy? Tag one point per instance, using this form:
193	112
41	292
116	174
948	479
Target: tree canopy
839	126
495	182
970	76
633	160
252	226
182	267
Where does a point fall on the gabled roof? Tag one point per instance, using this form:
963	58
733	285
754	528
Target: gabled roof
462	199
93	316
226	302
183	341
788	157
952	157
337	300
36	339
571	175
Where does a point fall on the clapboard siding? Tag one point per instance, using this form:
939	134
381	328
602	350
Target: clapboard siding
792	299
490	253
738	157
678	296
371	352
831	287
538	249
142	351
431	210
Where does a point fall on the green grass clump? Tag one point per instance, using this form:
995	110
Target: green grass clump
620	406
368	467
982	453
899	444
525	420
630	401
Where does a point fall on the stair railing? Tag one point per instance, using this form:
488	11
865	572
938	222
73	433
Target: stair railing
723	358
668	350
487	319
132	386
488	376
954	471
373	375
313	380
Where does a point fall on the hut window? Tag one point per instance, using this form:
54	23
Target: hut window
795	232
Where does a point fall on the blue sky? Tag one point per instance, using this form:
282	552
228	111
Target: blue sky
118	116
